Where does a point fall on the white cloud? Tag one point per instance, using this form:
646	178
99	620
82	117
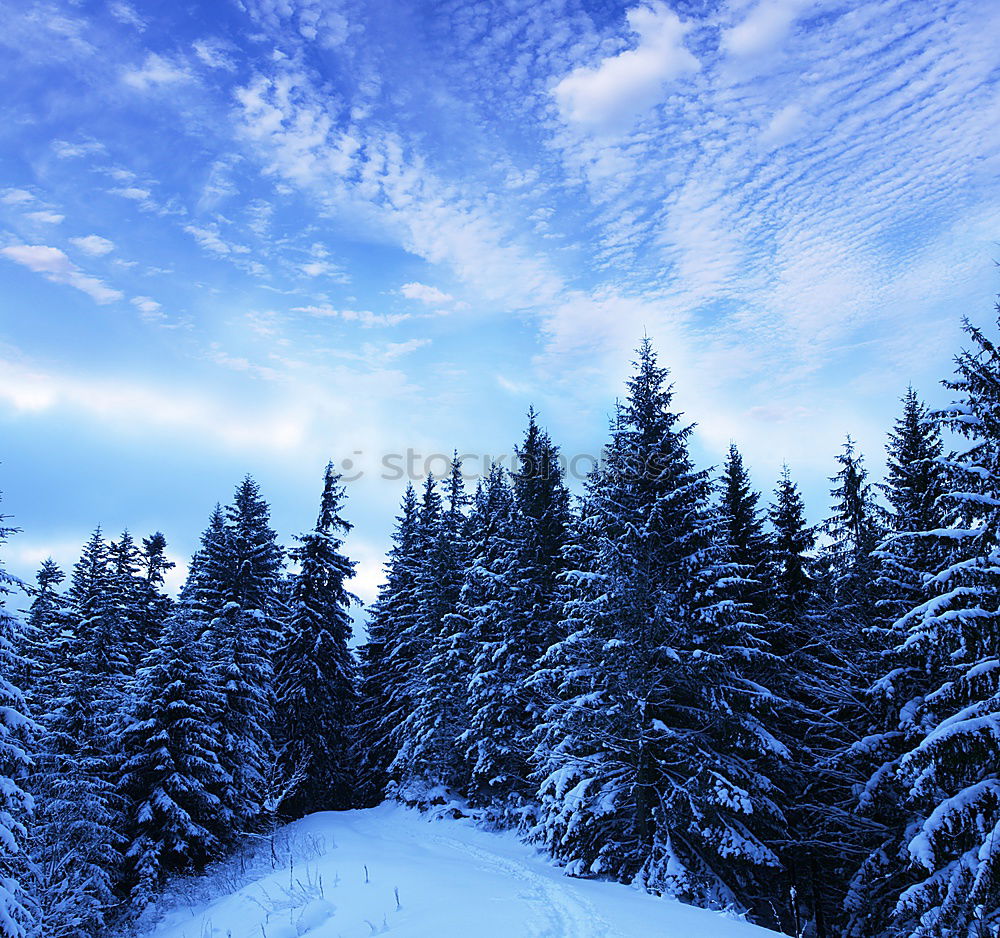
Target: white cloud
46	217
764	28
378	179
135	194
432	296
363	316
16	197
210	239
784	125
393	350
157	71
127	403
213	53
150	310
315	20
624	86
54	265
94	245
125	13
145	304
67	151
318	268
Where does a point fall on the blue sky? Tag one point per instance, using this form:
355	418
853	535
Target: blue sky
252	236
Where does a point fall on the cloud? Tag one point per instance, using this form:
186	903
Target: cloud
393	350
624	86
136	194
363	316
378	179
432	296
145	304
130	404
764	28
149	309
214	54
46	217
54	265
784	125
157	71
68	151
210	239
321	268
125	13
94	245
314	20
16	197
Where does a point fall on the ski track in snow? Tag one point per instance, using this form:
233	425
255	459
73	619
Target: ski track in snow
568	915
454	880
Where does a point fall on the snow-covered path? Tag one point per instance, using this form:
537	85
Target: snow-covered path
338	874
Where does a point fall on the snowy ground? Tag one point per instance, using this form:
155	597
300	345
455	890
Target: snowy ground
337	875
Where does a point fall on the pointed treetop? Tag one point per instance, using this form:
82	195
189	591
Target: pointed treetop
331	502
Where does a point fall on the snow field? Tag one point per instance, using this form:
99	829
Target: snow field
392	871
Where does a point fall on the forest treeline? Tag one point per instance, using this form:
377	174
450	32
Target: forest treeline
669	680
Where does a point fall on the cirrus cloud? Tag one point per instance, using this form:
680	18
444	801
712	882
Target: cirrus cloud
54	265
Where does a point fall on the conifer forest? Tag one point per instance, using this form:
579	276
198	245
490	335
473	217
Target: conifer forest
666	679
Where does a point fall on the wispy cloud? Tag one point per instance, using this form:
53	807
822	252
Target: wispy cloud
362	316
215	54
16	197
94	245
126	13
157	71
54	265
432	296
211	240
45	217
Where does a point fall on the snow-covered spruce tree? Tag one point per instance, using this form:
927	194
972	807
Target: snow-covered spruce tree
511	602
76	835
390	659
543	514
543	501
208	584
770	662
743	529
855	530
42	644
17	905
232	594
794	632
915	483
154	606
792	583
647	758
491	614
128	596
831	835
171	778
950	768
430	762
315	671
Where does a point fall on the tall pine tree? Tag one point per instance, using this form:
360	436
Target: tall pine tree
172	777
648	756
914	486
16	732
390	659
315	675
949	769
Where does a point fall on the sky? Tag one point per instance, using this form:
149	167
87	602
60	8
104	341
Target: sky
252	236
